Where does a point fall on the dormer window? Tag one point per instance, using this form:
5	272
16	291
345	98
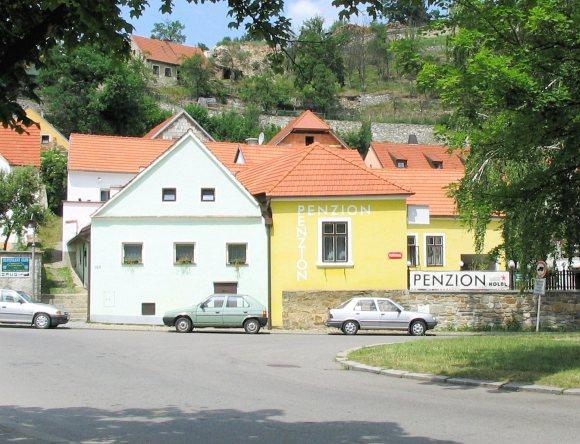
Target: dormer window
239	157
401	163
309	140
437	164
45	138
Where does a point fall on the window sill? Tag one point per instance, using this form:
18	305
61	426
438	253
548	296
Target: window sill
132	265
237	265
335	264
190	264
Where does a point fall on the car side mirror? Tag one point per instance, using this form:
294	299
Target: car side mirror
202	305
398	309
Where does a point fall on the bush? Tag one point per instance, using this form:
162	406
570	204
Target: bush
267	92
53	172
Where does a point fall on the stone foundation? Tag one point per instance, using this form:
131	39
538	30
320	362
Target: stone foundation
454	311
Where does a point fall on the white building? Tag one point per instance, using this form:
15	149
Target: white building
182	229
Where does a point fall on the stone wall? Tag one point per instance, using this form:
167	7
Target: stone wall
392	132
23	282
560	310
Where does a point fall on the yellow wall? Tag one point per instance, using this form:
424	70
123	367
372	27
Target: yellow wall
457	241
378	227
46	128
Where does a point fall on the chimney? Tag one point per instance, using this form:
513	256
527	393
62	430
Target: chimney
412	139
252	141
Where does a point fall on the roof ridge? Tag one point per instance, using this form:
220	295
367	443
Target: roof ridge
304	153
366	169
116	137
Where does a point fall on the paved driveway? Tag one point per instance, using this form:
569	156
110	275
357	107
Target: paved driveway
139	386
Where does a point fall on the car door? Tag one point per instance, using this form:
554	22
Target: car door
391	316
235	311
367	314
209	313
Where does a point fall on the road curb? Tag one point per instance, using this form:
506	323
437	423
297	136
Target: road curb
342	359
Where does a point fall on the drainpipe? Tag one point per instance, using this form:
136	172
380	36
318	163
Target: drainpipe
269	222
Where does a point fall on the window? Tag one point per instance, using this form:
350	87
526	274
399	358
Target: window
156	70
237	302
183	254
334	242
401	163
412	250
148	309
10	296
385	305
208	194
44	139
167	72
169	195
215	302
309	140
105	195
437	164
225	287
434	245
132	254
365	305
237	254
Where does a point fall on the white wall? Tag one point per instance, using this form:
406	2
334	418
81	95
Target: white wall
87	185
75	216
137	214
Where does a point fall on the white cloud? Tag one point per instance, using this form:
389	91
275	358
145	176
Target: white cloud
301	10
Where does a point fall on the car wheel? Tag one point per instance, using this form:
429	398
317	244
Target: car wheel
42	320
350	328
183	325
252	326
417	328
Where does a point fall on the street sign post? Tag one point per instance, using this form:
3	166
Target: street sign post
541	269
539	290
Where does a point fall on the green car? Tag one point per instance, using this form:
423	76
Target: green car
220	310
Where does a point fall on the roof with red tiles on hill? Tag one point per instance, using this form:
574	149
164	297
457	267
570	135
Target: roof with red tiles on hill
307	121
417	156
157	130
239	156
162	51
317	170
21	148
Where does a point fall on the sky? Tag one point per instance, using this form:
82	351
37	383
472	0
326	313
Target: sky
208	23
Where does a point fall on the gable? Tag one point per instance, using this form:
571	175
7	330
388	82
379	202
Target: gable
187	167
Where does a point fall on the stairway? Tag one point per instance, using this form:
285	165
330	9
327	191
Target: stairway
74	304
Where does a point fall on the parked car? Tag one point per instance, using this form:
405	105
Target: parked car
378	313
17	307
220	310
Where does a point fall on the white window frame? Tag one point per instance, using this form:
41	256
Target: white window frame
444	242
175	244
417	247
123	253
165	71
228	254
349	241
158	70
42	136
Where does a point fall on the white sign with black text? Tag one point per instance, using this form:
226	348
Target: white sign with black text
459	280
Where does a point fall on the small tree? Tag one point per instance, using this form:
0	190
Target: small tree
196	75
361	139
169	31
267	91
53	171
407	57
19	201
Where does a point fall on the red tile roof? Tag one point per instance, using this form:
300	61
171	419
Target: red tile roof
21	149
307	121
253	155
158	127
317	170
113	153
417	156
162	51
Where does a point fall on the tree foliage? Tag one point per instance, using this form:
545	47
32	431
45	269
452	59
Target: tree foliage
267	91
53	172
513	87
88	90
407	57
407	12
170	31
20	192
361	139
196	74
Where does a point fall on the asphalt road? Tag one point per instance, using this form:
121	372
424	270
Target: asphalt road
68	385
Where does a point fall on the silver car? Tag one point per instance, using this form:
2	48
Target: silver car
368	313
16	307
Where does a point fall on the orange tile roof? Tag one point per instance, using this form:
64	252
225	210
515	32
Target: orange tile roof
156	128
253	155
21	149
162	51
113	153
417	156
317	170
307	121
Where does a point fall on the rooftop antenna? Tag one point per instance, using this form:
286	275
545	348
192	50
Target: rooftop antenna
261	138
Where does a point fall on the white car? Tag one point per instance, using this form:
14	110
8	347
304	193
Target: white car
16	307
368	313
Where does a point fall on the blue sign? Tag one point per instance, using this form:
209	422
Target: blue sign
15	266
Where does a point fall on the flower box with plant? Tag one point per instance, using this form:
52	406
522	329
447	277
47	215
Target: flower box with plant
131	261
184	261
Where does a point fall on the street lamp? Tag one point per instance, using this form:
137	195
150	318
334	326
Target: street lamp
31	226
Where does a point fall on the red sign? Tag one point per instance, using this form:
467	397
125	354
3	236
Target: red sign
395	255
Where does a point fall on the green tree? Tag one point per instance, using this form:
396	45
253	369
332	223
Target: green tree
512	85
267	91
202	46
361	139
380	50
53	172
170	31
87	90
407	57
19	201
196	75
407	12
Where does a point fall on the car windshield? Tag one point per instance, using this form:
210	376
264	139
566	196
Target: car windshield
24	296
344	304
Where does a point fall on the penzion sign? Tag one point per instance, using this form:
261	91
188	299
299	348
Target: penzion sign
459	280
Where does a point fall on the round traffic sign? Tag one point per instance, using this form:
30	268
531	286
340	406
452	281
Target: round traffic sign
541	269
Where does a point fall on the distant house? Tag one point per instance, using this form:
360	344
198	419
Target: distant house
20	149
307	129
176	126
164	58
49	135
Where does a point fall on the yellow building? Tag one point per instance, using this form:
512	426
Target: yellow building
49	135
335	224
